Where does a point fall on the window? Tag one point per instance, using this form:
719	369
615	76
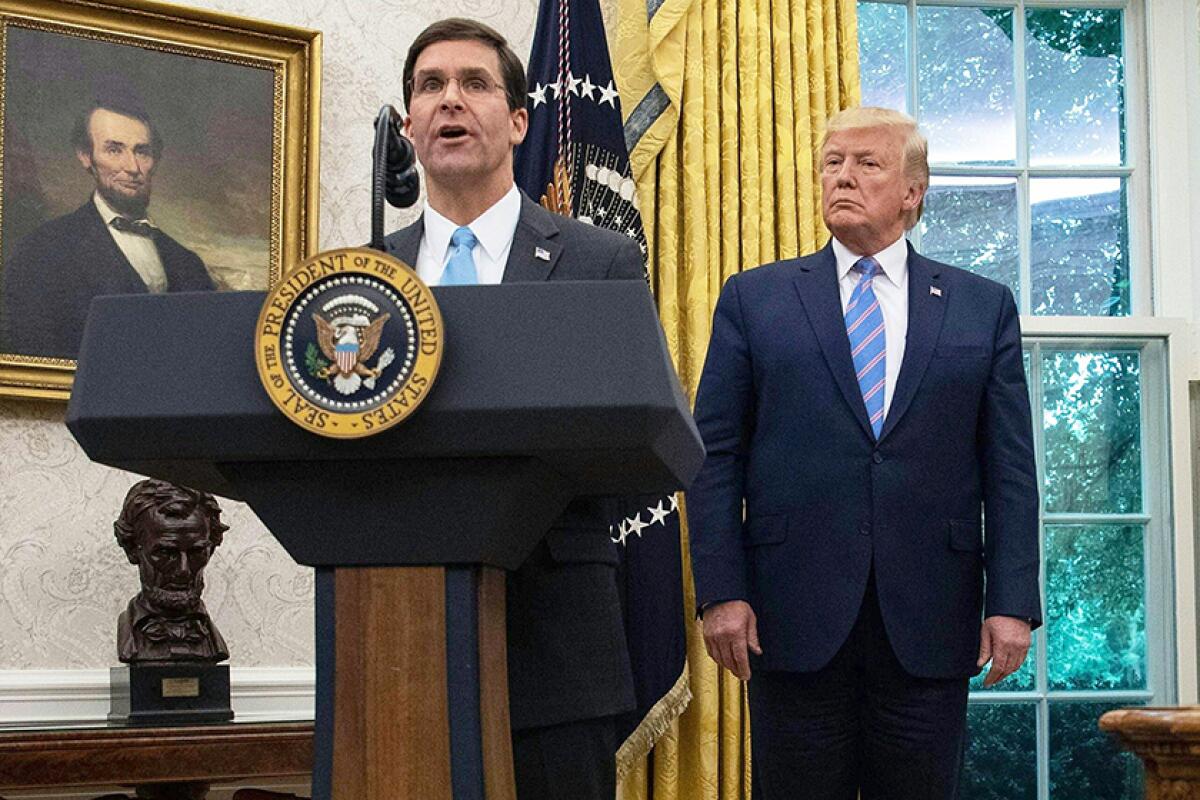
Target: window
1035	184
1026	113
1103	531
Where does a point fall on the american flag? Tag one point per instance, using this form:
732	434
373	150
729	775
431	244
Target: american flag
574	161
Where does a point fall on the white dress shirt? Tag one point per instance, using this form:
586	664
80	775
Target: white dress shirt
891	289
140	250
494	229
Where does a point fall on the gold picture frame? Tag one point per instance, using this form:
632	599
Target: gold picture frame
238	98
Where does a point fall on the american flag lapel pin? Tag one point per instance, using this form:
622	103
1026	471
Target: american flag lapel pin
935	291
541	253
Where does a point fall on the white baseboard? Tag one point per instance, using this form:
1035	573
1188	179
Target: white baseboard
73	696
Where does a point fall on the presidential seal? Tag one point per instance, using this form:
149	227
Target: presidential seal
349	343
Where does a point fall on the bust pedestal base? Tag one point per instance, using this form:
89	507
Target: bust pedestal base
168	694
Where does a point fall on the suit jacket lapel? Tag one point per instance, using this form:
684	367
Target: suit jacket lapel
535	247
100	246
816	282
405	243
926	311
174	265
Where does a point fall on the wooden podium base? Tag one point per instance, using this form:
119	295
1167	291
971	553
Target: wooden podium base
419	684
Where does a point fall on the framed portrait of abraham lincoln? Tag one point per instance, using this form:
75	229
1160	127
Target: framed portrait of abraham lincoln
144	147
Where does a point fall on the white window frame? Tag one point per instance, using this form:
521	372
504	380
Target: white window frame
1167	453
1163	148
1163	544
1135	171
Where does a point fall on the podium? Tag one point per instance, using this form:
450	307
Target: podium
547	391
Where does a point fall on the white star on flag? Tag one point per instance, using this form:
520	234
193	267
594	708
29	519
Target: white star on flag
538	95
636	525
622	532
554	87
608	94
588	88
572	84
658	514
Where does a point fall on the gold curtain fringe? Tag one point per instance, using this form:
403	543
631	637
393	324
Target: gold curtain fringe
668	708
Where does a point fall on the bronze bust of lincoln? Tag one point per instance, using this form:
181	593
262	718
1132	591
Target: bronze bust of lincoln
169	532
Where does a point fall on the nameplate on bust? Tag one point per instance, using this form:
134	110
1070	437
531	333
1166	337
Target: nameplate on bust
181	687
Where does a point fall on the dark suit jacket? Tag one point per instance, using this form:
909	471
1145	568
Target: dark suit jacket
567	657
54	272
786	433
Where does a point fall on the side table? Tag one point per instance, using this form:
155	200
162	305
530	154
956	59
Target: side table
168	762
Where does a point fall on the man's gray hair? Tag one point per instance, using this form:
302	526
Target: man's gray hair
915	147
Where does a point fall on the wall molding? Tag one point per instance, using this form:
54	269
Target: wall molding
80	696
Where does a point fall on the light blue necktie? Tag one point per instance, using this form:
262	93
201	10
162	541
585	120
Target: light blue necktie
460	269
864	326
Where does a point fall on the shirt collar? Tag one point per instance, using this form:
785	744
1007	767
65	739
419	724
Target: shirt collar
493	228
108	213
893	260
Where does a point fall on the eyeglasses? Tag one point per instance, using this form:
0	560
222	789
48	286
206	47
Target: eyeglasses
472	84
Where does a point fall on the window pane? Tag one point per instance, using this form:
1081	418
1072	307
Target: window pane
1095	607
1085	762
1001	758
972	223
1080	246
1075	86
1091	416
966	84
882	59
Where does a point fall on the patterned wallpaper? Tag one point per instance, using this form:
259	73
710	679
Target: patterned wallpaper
63	579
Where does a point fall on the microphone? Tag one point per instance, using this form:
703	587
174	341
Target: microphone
403	182
394	176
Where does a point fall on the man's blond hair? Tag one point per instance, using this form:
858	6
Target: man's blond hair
914	147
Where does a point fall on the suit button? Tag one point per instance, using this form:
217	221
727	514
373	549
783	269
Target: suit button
865	529
877	457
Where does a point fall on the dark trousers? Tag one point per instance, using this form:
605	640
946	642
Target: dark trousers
572	761
860	724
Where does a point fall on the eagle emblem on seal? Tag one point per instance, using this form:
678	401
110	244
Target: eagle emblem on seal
348	332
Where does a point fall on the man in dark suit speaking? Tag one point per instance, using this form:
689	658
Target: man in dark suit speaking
864	406
568	666
107	246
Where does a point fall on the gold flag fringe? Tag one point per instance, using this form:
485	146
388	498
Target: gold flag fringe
668	708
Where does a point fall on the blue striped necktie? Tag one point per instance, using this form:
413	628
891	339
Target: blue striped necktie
460	269
864	325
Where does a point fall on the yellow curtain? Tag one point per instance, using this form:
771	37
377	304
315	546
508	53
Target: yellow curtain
725	103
